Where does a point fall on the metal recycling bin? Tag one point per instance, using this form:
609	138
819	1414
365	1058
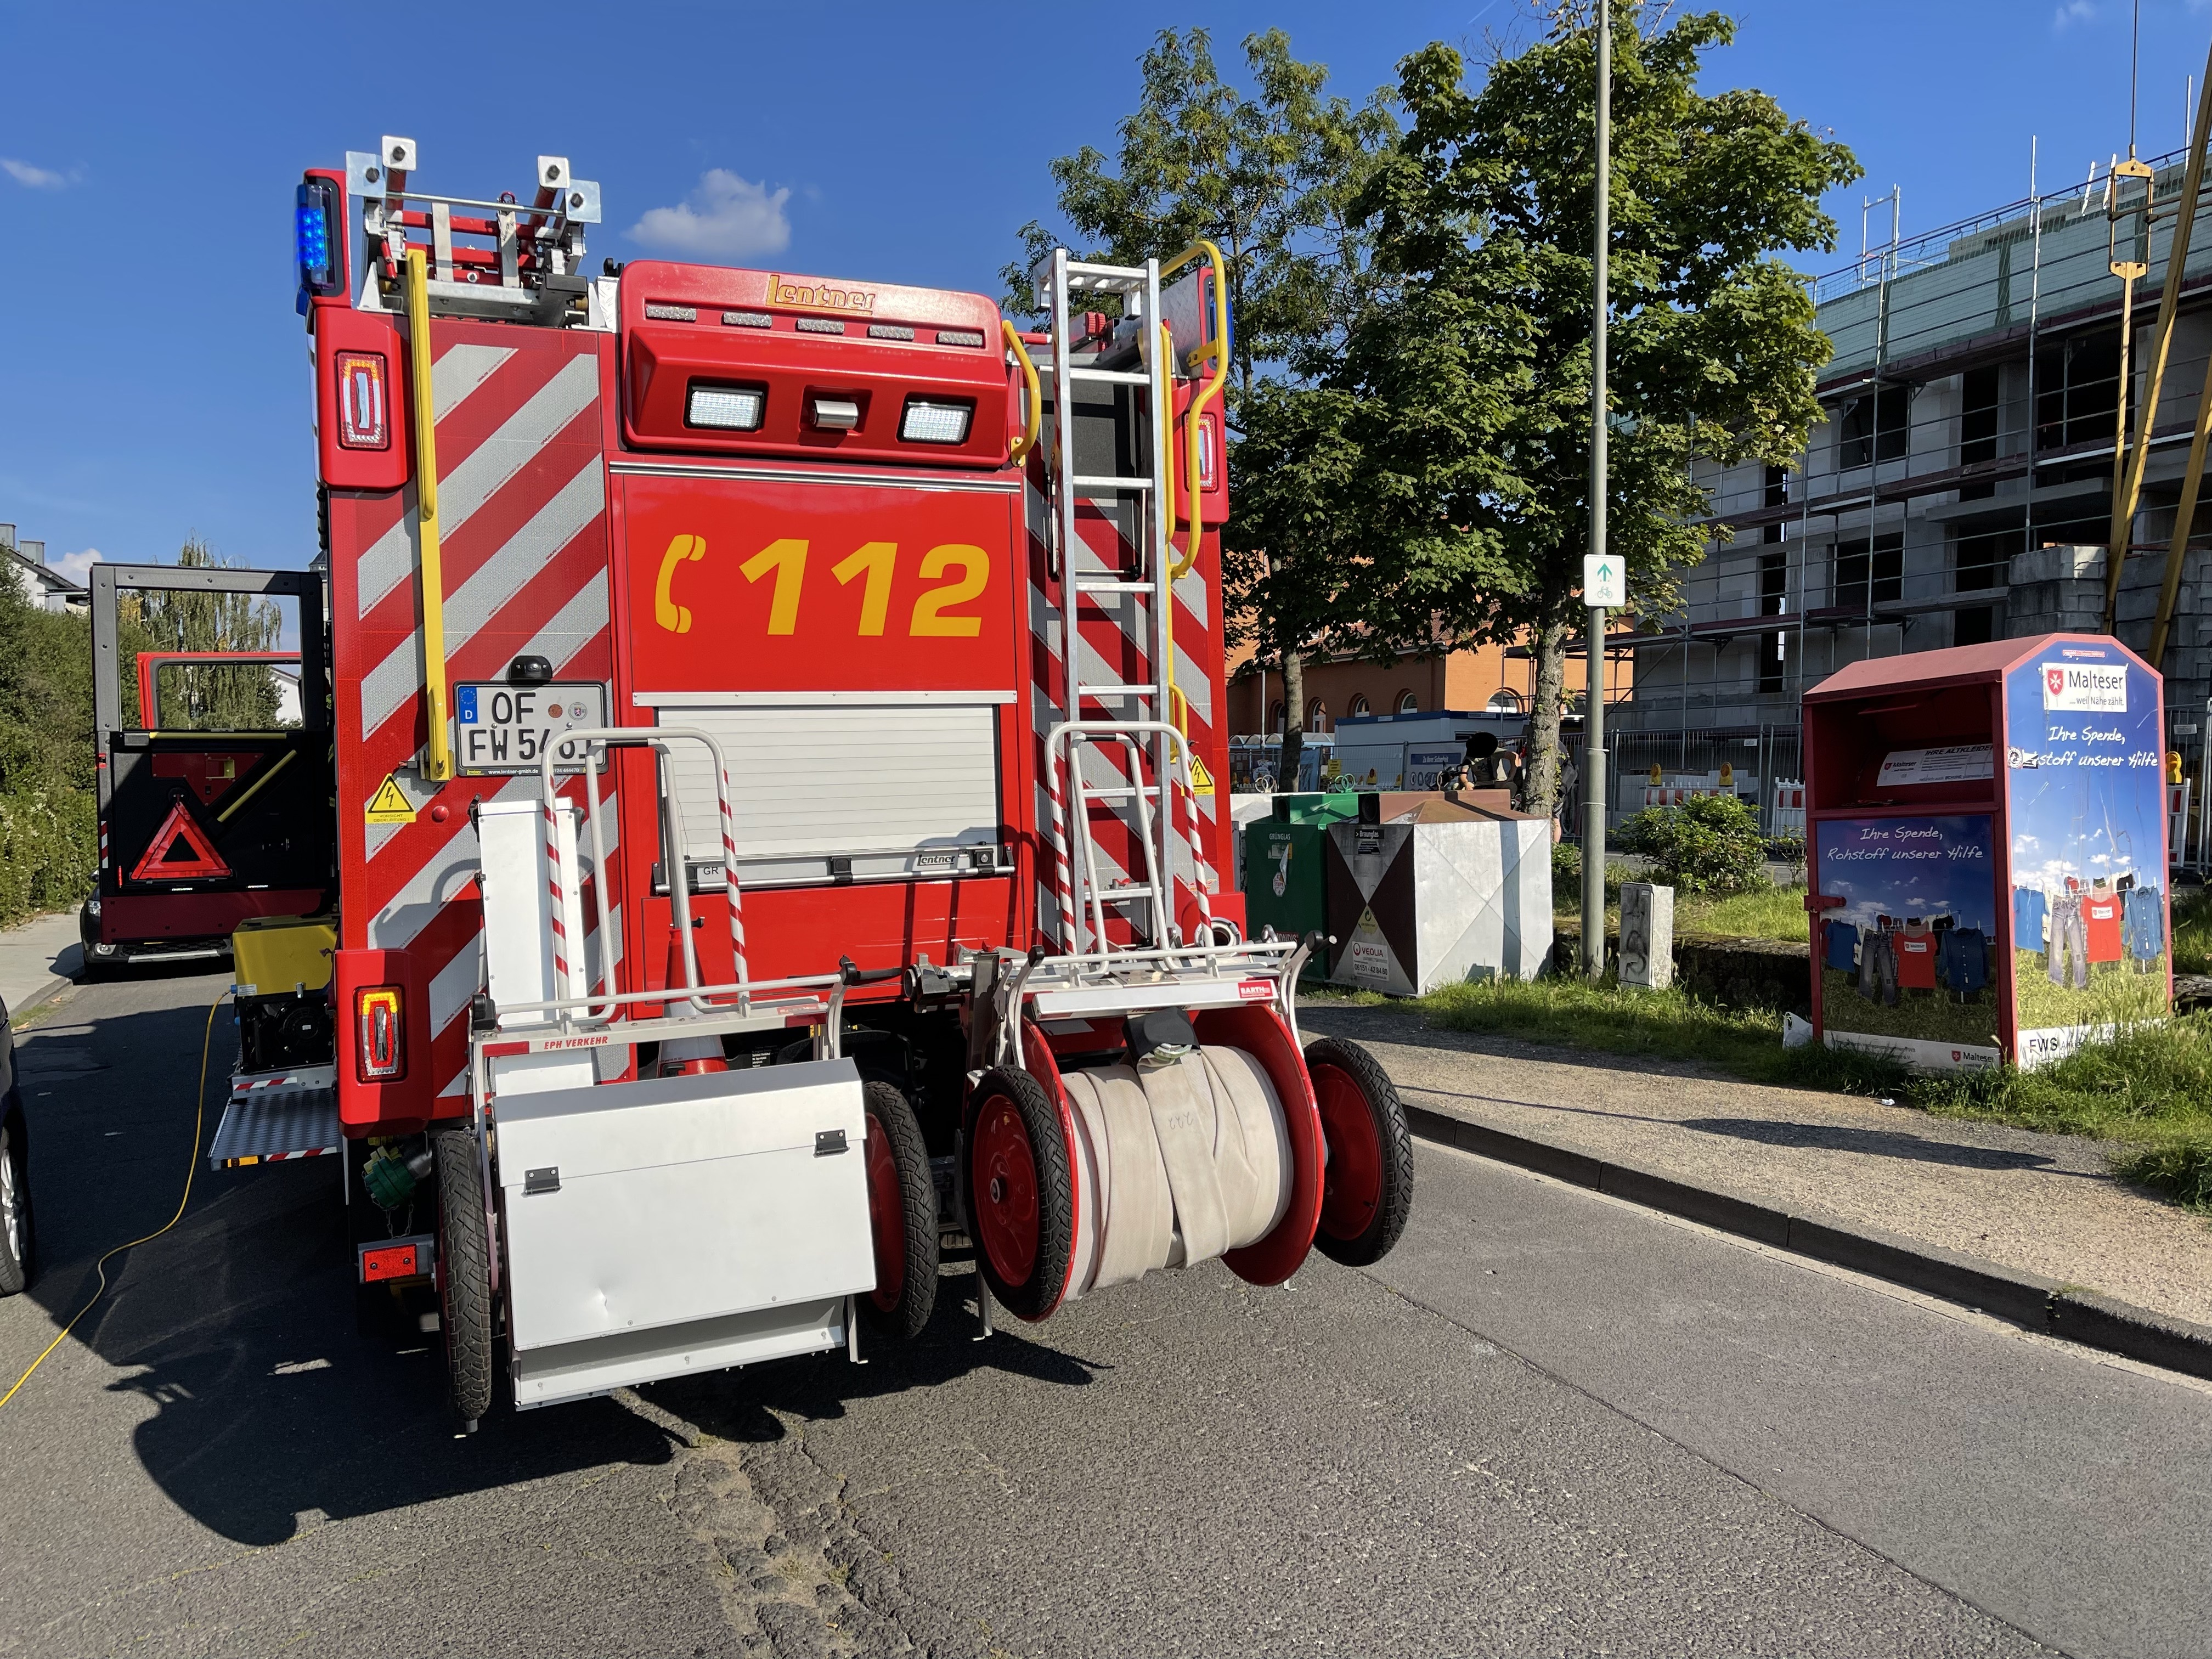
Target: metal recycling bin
1431	890
1987	851
1281	874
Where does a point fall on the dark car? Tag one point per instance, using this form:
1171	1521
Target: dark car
101	954
18	1246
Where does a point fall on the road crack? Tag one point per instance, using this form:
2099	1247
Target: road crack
800	1579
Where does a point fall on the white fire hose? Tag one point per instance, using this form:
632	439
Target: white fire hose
1176	1163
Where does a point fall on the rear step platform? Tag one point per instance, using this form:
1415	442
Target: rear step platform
275	1115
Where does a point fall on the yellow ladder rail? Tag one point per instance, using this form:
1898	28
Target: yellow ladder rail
440	765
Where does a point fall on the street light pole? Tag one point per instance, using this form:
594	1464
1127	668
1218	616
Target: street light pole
1594	782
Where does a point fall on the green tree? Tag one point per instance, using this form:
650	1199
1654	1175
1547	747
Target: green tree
47	840
1470	373
1269	177
207	697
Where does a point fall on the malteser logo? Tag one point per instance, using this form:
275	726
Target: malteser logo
2086	688
781	291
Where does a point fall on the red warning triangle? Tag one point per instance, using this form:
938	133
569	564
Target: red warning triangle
201	860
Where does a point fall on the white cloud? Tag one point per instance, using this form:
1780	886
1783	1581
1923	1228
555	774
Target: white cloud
35	178
2072	12
77	566
726	215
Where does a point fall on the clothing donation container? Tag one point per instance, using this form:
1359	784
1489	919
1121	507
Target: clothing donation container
1987	851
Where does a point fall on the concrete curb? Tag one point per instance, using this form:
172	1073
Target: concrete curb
2040	1304
45	993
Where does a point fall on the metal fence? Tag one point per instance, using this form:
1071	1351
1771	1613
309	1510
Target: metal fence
1759	763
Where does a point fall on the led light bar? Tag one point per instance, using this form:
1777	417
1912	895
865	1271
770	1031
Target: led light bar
935	421
320	249
726	408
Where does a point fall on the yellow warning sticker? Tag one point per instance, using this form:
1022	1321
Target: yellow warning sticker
1201	779
391	805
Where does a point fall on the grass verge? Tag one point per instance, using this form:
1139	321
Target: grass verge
1763	913
2192	930
2149	1092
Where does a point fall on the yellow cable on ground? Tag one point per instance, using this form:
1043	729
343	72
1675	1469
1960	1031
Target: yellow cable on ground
100	1267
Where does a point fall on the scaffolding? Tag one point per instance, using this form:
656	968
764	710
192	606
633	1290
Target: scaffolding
1972	402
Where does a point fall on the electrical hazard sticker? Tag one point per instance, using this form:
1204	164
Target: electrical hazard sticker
391	805
1201	779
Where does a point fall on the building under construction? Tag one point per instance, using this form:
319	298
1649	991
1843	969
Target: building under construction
1962	486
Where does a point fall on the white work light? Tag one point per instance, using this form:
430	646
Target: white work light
732	408
935	421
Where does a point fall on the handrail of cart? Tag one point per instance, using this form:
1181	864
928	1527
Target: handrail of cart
756	990
1063	828
604	738
1187	957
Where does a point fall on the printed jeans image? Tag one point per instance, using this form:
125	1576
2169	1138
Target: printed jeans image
1878	968
2069	936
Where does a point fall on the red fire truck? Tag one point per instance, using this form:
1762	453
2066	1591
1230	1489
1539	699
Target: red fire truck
776	728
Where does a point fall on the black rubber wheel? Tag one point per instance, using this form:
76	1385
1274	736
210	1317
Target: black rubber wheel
19	1236
464	1310
1021	1193
902	1220
1367	1192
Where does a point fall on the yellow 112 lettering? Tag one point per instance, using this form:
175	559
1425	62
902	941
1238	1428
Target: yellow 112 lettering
872	565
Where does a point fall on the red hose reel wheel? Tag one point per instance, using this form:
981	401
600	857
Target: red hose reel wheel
1021	1191
1368	1190
902	1219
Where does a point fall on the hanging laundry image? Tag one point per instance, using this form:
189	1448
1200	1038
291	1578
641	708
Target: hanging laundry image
1919	904
2101	919
2087	831
1915	956
2142	923
1963	961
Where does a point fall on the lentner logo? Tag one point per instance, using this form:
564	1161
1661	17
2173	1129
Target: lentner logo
2088	688
783	292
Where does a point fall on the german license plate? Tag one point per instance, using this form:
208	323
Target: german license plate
507	728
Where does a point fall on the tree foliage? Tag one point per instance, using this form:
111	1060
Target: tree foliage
1268	177
1470	375
200	696
47	841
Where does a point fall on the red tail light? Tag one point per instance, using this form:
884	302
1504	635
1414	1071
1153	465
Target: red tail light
379	1045
364	409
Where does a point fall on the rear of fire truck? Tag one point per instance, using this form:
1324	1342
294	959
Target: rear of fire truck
776	723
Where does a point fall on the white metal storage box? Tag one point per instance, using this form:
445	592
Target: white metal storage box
681	1224
1412	905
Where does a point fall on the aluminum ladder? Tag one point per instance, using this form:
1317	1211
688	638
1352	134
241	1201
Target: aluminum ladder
1135	726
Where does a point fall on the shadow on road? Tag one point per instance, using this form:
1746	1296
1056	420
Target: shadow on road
1876	1143
269	1411
742	1406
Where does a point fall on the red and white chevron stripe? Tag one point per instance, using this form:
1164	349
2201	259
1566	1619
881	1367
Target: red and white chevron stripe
522	496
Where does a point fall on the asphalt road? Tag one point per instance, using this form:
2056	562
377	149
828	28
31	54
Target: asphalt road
1551	1424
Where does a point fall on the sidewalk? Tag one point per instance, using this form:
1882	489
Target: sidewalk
2045	1206
38	959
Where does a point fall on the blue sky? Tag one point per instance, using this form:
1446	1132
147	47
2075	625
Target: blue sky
153	376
